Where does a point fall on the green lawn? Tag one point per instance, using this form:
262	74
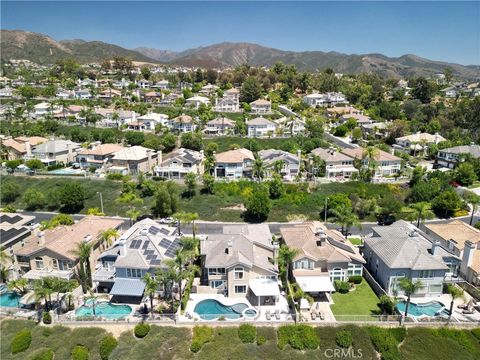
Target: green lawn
167	342
355	240
361	301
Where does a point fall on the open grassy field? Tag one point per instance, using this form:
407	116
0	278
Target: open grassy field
224	205
168	342
361	301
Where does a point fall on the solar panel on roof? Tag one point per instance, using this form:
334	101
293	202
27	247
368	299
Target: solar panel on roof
155	262
153	230
138	244
149	252
145	244
133	244
165	243
170	253
151	257
164	231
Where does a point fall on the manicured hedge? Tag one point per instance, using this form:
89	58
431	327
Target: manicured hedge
141	330
247	333
21	341
201	335
42	354
107	345
344	338
356	279
80	352
342	286
47	318
300	337
385	343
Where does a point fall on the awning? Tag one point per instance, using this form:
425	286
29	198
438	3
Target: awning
128	287
315	283
39	274
264	287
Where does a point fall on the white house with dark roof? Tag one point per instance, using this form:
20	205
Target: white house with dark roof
449	157
180	162
402	250
260	127
290	162
142	248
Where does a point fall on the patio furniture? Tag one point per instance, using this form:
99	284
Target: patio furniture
468	311
462	306
313	315
322	316
267	314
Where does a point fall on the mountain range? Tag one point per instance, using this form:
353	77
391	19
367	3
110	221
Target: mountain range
39	48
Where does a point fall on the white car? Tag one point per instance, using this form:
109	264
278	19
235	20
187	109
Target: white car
167	220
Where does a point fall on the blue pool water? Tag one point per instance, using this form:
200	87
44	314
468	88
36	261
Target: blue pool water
429	309
10	299
105	310
67	171
211	309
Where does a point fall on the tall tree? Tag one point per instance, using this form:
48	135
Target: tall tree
285	258
455	292
83	252
409	288
345	217
421	212
151	287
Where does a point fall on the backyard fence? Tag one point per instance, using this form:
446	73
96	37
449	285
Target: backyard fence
373	283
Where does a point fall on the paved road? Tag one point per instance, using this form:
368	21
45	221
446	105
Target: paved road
216	227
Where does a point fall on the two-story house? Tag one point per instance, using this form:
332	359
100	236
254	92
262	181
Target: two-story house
21	146
386	164
151	120
55	151
261	127
417	143
287	164
182	124
323	256
234	164
52	252
132	160
98	155
142	248
220	126
180	162
325	99
240	262
450	157
402	250
261	106
230	101
337	165
196	101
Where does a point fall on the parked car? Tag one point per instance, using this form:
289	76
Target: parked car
386	220
167	220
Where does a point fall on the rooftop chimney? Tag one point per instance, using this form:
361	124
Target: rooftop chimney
41	238
467	259
228	249
435	246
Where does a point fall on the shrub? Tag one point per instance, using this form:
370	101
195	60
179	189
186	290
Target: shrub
384	342
387	304
21	341
141	330
47	318
80	352
114	176
247	333
342	286
344	339
201	335
261	340
356	279
107	345
300	337
42	354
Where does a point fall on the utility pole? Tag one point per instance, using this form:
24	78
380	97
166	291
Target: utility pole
326	202
101	201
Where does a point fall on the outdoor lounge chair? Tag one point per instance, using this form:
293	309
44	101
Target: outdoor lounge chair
322	317
277	314
267	314
313	315
468	311
462	306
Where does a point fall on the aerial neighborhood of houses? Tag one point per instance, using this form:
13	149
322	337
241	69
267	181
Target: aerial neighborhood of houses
188	195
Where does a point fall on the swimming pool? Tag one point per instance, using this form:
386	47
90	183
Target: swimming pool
431	308
67	171
211	309
105	310
10	299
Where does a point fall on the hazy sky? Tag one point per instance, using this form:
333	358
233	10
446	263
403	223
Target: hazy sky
448	31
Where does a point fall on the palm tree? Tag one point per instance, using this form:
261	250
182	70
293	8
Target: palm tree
454	292
133	215
43	290
285	258
107	235
94	299
151	287
258	168
278	166
19	285
168	277
472	199
186	218
421	212
189	247
371	153
345	217
83	252
409	288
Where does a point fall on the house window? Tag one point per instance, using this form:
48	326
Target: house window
238	273
217	284
354	269
134	273
269	277
425	274
64	265
39	263
55	263
240	289
303	264
336	274
216	271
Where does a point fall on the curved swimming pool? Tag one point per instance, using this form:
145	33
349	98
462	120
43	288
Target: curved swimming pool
10	299
105	310
431	308
211	309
